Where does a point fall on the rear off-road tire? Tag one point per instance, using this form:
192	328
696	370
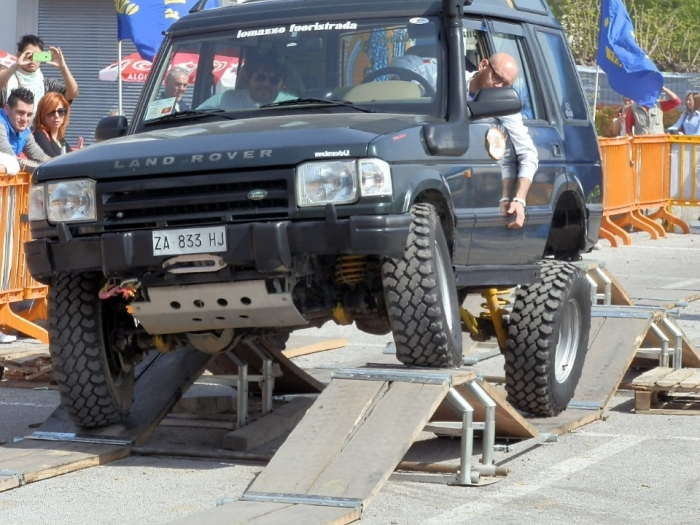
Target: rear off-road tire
421	296
548	339
96	383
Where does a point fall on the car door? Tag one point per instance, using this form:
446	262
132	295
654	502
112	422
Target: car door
491	240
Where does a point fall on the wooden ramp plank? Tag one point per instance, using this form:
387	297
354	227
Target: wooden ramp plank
609	356
162	378
570	419
381	442
8	482
309	515
650	377
312	348
235	513
692	381
675	377
38	460
267	513
328	424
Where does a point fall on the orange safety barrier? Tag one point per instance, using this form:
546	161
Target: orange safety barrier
685	160
653	168
618	187
16	285
637	178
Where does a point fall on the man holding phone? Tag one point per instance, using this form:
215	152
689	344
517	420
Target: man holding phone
26	72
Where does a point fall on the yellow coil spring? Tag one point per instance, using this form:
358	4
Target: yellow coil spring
492	294
350	269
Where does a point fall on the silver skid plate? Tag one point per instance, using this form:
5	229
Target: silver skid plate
247	304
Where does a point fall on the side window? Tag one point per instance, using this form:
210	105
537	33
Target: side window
473	47
563	75
525	85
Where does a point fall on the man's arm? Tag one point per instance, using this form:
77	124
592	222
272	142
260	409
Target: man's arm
5	146
6	75
672	102
71	86
524	167
33	152
8	165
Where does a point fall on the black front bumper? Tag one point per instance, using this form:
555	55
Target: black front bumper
267	247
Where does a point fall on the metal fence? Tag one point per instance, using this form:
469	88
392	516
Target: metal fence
679	83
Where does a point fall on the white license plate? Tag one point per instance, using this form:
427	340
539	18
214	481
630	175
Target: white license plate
190	240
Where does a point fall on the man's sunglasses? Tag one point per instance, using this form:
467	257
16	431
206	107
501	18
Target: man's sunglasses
270	79
61	112
497	78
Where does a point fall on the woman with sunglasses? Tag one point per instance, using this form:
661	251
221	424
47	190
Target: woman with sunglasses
50	124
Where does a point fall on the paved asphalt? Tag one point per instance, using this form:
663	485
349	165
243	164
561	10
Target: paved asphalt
626	469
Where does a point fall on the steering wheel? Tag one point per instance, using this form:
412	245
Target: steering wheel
403	74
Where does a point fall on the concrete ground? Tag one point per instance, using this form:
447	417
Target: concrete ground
626	469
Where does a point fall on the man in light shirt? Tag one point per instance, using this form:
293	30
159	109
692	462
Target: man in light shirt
501	70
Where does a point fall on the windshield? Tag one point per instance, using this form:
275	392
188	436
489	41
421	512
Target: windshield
383	65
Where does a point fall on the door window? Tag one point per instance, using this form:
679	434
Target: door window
567	87
525	84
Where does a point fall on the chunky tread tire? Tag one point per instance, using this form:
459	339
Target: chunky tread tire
418	309
534	335
92	392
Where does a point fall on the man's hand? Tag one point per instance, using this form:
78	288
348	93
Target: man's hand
24	59
518	209
57	59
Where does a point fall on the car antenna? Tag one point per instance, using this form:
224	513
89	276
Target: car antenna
199	6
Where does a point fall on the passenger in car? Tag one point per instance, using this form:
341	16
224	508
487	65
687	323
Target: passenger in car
264	75
501	70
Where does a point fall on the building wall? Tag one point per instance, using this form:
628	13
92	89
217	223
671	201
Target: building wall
19	17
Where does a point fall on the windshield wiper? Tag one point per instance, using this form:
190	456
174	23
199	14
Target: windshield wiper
317	101
189	114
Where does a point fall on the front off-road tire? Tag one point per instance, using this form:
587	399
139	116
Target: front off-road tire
96	384
548	339
421	296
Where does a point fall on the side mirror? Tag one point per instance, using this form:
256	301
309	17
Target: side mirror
495	102
111	128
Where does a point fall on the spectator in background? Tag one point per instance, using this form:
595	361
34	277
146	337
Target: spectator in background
642	120
620	122
26	73
15	136
689	121
52	117
175	87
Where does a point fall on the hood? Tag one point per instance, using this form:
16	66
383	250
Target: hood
228	144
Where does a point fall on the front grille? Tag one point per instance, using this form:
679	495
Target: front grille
191	199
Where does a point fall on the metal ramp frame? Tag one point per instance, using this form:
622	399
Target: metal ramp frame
321	484
58	446
369	417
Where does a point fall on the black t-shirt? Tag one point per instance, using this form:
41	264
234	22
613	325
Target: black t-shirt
50	147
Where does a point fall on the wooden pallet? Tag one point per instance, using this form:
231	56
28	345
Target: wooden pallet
26	363
668	391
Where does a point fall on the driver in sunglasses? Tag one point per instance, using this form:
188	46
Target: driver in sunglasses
264	75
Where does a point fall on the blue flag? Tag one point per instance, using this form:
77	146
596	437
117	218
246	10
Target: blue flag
630	71
144	21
